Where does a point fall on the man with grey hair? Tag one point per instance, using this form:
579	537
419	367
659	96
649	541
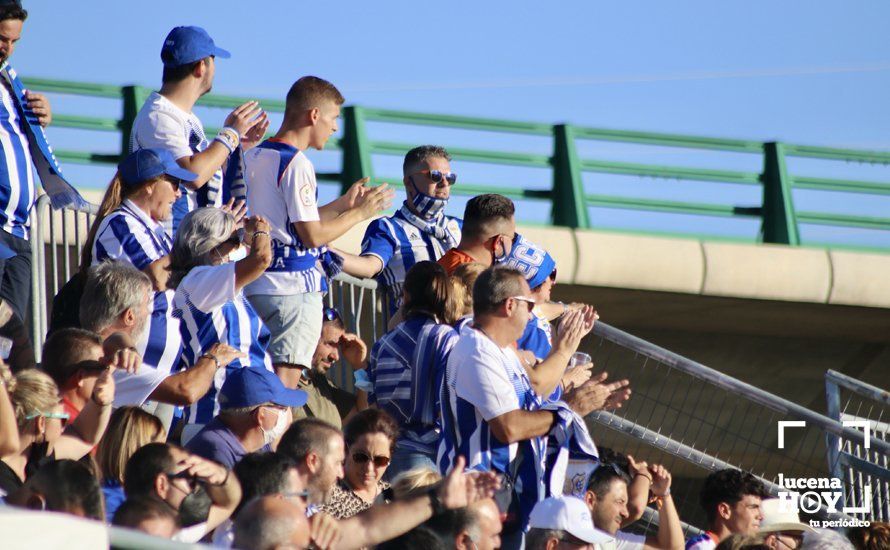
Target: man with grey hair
270	523
476	527
498	400
418	231
116	304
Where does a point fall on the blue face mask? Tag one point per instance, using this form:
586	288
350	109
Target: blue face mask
426	206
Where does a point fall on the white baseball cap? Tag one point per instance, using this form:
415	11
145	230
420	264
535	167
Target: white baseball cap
567	514
778	517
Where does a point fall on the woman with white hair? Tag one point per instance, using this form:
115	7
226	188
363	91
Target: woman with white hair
209	300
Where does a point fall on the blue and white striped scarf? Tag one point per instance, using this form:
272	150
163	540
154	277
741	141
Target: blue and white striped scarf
436	227
571	454
61	193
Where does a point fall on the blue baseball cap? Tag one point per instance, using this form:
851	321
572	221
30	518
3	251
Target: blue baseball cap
146	164
532	260
252	386
6	252
186	45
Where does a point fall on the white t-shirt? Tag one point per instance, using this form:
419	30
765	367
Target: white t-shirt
483	382
162	125
625	541
281	187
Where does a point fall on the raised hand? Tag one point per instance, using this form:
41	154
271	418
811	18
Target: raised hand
596	394
375	200
460	489
103	390
254	136
246	116
355	351
661	480
238	210
577	376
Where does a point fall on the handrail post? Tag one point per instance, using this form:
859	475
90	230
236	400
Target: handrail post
356	149
779	218
134	97
569	206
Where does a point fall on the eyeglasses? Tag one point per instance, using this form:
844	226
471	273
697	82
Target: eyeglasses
302	495
362	458
331	314
184	474
436	176
64	417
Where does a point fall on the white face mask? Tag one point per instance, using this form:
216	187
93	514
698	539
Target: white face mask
278	429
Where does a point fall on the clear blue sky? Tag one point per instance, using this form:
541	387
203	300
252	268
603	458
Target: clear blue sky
799	71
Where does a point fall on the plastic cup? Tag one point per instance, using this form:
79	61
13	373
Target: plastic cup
579	358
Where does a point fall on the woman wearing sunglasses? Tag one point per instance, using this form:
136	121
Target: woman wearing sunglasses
41	423
209	300
370	439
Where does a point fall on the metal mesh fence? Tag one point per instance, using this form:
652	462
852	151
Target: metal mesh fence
865	471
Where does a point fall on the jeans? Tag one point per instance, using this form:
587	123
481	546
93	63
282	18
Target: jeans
406	459
15	274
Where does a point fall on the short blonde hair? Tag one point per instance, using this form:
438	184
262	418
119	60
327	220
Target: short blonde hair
129	429
410	481
31	392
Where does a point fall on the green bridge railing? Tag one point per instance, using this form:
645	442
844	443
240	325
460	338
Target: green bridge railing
570	203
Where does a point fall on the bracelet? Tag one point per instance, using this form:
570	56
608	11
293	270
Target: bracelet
260	232
224	481
565	307
211	356
644	475
666	493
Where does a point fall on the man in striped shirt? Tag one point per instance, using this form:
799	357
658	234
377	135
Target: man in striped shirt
18	192
418	231
490	403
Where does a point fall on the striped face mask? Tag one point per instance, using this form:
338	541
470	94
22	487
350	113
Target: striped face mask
427	206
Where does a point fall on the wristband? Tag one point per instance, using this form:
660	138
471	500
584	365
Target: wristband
229	137
211	356
235	132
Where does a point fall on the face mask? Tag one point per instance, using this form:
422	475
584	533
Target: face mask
194	508
494	251
427	206
277	430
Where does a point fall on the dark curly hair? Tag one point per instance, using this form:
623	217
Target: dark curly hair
729	486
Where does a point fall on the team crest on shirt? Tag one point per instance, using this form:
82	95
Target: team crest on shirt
452	226
306	195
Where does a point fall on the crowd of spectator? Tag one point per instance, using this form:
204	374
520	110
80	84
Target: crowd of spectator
184	392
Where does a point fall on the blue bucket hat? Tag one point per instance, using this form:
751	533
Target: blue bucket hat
532	260
186	45
253	386
146	164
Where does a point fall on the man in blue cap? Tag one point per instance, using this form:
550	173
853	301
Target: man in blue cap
254	414
166	121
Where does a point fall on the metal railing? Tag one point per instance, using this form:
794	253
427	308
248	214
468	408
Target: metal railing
569	199
864	469
695	420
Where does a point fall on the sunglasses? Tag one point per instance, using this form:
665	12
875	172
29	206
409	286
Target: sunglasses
63	417
362	458
436	176
530	301
331	314
184	474
302	495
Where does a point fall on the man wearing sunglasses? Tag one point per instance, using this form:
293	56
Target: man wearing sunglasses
420	230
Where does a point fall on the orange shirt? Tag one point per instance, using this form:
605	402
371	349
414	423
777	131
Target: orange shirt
454	258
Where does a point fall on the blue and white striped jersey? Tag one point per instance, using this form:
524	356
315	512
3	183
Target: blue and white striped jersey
17	188
162	125
129	234
281	187
399	244
406	369
482	382
537	337
211	311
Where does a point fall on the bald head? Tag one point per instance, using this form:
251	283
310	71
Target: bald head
270	522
